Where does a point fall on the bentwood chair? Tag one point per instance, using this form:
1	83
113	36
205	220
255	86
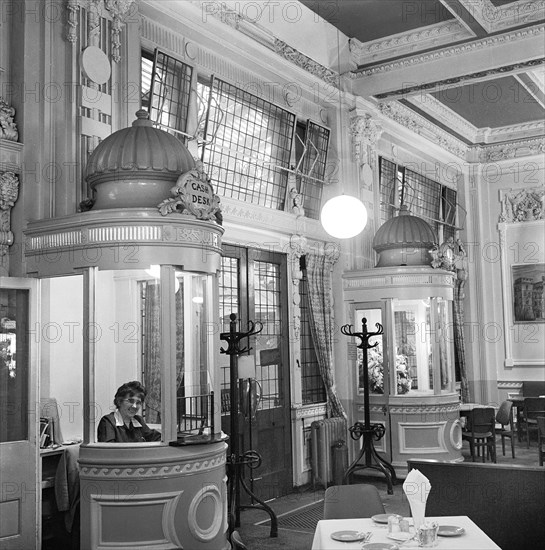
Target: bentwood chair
533	407
481	433
236	541
541	438
352	501
504	417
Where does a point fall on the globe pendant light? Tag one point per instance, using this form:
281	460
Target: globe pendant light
344	217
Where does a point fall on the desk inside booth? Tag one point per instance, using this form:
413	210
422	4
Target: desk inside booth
60	489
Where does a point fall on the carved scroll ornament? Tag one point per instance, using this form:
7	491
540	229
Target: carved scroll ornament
523	206
9	192
8	128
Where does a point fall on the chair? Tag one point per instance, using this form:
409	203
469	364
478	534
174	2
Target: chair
504	417
541	438
236	542
533	407
481	432
352	501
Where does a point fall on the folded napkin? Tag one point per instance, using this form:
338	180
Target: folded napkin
417	488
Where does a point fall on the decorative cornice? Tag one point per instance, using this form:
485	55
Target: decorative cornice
423	127
507	151
452	51
494	19
304	62
404	43
458	80
523	205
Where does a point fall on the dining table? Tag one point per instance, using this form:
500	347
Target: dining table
463	534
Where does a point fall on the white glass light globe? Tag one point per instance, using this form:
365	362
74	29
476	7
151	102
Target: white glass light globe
344	217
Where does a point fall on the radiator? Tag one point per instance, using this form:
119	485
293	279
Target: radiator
323	435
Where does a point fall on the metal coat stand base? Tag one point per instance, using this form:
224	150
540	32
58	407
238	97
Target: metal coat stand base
370	432
236	461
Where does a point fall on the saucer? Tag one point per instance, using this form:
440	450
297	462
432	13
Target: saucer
381	518
450	531
380	546
400	536
348	536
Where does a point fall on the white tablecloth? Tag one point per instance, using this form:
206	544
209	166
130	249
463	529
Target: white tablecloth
472	539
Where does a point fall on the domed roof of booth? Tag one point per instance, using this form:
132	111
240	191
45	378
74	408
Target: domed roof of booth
136	166
404	240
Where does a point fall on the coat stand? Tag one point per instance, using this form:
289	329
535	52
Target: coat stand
236	461
369	432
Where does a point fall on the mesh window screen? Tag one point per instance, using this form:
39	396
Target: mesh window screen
247	142
313	167
169	93
423	197
388	173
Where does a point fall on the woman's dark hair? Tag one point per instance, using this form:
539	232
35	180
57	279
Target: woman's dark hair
129	389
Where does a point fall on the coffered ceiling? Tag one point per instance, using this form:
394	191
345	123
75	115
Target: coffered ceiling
475	69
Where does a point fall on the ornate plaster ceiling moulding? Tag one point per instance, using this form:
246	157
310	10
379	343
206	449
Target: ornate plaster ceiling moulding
306	63
526	130
457	81
454	51
438	110
518	149
423	127
494	19
407	42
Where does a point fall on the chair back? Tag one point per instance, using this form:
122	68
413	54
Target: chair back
503	415
534	407
541	427
352	501
483	420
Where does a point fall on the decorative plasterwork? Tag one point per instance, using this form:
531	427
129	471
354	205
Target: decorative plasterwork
523	205
423	127
405	43
524	148
309	412
8	128
306	63
459	80
439	111
155	471
365	131
118	10
452	51
9	192
494	19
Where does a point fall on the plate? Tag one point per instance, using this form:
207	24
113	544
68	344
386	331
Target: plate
380	546
381	518
347	536
401	536
450	531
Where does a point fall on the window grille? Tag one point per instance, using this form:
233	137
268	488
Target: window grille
166	91
311	162
246	145
313	389
425	198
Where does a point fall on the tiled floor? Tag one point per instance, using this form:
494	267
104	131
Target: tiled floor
255	530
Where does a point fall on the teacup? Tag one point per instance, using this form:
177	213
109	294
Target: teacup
426	534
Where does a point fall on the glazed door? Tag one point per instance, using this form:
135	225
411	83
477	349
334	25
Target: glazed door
253	285
19	490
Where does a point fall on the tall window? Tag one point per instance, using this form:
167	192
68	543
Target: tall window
424	197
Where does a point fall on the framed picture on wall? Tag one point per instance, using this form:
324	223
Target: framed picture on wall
528	288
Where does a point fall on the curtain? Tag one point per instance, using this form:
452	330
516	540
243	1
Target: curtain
459	342
321	324
152	349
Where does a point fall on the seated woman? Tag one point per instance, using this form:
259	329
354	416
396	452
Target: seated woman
124	425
